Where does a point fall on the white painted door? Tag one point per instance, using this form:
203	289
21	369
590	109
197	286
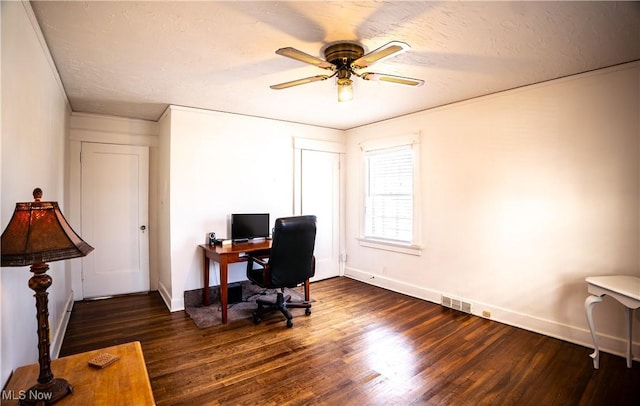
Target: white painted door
320	195
115	219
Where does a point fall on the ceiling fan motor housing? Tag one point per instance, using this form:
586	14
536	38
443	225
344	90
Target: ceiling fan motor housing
343	54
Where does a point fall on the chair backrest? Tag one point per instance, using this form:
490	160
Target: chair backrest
291	257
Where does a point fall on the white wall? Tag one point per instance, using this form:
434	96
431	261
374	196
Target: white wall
34	125
164	206
525	193
221	164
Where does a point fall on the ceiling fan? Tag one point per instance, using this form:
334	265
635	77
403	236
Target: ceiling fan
345	59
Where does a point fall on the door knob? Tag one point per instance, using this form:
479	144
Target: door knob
143	227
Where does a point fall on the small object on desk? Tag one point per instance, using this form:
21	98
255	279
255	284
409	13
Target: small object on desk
102	360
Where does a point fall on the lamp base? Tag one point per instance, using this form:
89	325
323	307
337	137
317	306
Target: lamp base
46	394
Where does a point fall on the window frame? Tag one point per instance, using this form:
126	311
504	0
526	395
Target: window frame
392	144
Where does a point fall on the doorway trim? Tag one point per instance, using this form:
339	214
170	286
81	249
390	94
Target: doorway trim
300	144
85	127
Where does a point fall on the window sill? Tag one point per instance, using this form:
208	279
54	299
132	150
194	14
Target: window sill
391	246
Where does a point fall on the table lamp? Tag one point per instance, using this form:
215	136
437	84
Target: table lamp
38	233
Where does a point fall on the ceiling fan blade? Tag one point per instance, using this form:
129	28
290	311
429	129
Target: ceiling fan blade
285	85
385	51
391	78
306	58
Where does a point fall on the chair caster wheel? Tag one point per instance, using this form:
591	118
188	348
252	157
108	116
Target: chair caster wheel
307	312
289	323
256	319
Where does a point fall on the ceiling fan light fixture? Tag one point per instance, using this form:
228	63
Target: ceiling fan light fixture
345	90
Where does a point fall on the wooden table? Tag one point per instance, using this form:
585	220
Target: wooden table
125	382
626	290
225	255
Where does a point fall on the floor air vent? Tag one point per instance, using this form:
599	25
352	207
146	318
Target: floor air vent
456	304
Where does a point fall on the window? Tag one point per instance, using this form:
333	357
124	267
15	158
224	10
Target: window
389	201
390	198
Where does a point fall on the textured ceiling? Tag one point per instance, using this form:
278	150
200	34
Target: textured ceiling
132	59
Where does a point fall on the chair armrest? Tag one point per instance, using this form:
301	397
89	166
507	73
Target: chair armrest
260	275
261	261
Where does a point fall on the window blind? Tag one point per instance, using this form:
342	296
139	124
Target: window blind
389	196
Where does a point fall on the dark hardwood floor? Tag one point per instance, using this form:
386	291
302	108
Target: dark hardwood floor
361	346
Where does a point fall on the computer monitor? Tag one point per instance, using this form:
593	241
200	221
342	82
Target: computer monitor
250	226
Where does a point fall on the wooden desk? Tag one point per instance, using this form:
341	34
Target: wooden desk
225	255
125	382
626	290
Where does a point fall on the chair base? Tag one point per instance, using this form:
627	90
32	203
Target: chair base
282	304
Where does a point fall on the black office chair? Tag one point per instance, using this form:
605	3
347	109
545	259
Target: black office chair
290	263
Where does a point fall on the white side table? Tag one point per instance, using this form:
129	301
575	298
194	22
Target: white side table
626	290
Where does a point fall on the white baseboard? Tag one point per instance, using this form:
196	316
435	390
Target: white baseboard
61	328
392	284
173	305
572	334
